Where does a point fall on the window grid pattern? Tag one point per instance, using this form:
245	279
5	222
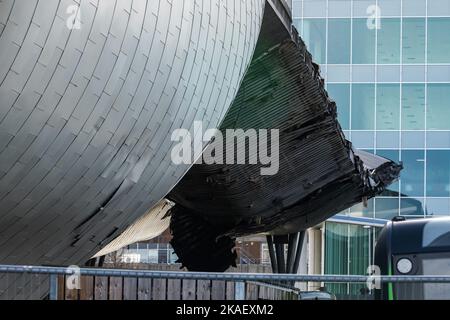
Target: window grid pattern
392	87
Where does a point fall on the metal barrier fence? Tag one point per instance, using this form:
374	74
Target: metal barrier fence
28	282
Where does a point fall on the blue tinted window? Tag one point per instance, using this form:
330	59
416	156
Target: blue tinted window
411	207
314	32
413	40
438	111
341	94
438	40
360	210
339	41
296	8
388	46
413	107
438	206
387	208
438	173
363	107
388	107
413	173
363	42
336	253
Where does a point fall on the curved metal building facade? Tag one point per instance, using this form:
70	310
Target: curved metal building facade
90	92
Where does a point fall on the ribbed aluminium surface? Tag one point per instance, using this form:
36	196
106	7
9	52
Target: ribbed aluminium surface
320	174
86	114
149	226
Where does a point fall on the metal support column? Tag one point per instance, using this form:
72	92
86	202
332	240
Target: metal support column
273	258
300	241
280	241
292	252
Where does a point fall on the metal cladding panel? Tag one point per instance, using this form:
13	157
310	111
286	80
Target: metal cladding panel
86	114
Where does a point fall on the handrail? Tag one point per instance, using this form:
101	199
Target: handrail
222	276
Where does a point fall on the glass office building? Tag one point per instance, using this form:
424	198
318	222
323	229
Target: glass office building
387	65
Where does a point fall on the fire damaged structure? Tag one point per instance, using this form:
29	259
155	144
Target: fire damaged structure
86	116
320	173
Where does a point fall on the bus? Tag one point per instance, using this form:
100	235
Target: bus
414	247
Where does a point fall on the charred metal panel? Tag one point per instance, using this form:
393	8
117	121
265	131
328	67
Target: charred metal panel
320	173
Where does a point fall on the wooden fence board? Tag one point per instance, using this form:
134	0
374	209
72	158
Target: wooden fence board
251	288
203	290
270	295
101	288
159	289
70	294
115	288
262	293
230	290
61	287
262	290
173	289
251	292
218	290
144	289
189	289
277	294
129	289
87	288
